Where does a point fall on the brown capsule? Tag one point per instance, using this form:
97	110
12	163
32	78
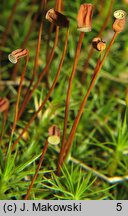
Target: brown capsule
57	18
4	104
98	44
101	46
54	135
119	25
95	41
84	18
17	54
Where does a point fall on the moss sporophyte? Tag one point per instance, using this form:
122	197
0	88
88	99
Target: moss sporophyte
4	108
118	26
53	61
84	23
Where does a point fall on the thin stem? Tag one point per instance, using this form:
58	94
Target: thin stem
107	18
37	53
8	26
69	94
37	170
58	8
36	60
86	64
15	70
58	5
37	49
48	41
7	29
28	97
99	35
30	29
42	3
18	95
5	115
75	124
49	93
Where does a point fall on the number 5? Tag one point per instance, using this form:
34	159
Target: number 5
119	207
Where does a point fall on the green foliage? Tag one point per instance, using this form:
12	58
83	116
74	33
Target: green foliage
74	185
101	140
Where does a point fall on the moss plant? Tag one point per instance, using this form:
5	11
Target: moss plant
88	106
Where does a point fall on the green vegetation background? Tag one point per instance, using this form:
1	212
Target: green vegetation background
101	140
